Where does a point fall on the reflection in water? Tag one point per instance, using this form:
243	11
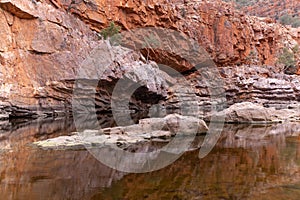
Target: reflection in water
247	163
29	173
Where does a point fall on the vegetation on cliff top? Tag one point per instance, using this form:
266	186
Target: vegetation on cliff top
287	19
287	58
285	12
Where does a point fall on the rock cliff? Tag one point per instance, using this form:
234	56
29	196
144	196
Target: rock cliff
41	52
44	43
227	34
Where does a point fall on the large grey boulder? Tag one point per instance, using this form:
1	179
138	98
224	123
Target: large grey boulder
248	112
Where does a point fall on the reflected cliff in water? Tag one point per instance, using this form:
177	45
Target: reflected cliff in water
248	162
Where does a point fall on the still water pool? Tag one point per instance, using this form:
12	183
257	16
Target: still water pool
249	162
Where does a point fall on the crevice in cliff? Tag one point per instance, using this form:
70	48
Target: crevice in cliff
33	51
59	24
55	4
9	18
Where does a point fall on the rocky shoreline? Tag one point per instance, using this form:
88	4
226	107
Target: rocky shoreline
146	130
174	125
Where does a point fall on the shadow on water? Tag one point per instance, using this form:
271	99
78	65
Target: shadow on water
248	162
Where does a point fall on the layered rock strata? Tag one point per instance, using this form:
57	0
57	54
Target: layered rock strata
45	46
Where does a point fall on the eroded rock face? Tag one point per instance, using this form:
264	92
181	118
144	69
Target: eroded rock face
264	85
39	50
23	11
228	35
45	49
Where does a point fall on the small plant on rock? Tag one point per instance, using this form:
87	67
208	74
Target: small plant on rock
287	59
110	31
252	58
150	43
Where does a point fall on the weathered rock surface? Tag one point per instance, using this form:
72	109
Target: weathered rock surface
228	35
44	46
23	11
248	112
146	130
258	84
42	55
37	51
264	85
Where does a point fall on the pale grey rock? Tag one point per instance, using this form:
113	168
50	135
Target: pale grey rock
147	129
4	116
179	124
248	112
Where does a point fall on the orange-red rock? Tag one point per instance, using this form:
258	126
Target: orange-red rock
44	42
228	35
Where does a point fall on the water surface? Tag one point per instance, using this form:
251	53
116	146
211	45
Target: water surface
249	162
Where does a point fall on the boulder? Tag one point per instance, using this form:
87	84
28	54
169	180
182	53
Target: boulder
185	124
248	112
